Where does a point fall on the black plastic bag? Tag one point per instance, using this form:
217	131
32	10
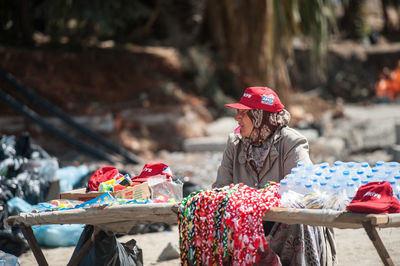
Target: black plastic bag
109	251
16	180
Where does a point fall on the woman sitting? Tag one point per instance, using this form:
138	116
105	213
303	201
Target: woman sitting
265	150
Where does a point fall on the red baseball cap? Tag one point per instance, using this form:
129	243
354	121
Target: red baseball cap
375	197
152	169
101	175
259	98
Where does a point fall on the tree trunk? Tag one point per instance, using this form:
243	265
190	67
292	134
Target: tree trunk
352	22
244	34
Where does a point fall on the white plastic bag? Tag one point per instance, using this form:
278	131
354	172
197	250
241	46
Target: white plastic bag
165	189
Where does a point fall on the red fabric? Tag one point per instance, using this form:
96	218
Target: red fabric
152	169
375	197
101	175
259	98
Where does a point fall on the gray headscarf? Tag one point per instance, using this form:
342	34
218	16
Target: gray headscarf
265	123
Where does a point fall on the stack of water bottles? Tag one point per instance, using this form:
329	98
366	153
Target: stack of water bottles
322	186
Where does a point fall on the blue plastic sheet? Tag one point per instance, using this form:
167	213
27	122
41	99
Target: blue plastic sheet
7	259
71	175
58	235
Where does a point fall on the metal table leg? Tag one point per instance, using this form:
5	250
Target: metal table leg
377	241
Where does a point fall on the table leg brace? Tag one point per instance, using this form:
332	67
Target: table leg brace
377	241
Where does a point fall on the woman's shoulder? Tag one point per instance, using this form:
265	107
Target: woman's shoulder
234	139
294	143
291	135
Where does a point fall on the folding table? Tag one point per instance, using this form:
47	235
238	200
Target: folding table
120	219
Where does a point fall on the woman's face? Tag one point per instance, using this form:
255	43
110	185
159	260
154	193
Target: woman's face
246	126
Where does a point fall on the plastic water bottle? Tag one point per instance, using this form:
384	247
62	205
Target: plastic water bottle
351	167
318	173
323	167
336	198
380	164
304	177
350	190
314	179
283	188
365	167
289	176
290	181
333	173
300	164
377	174
295	172
328	179
388	175
374	170
308	189
392	183
370	177
364	182
315	183
356	180
361	174
308	170
396	189
300	172
393	166
7	259
339	165
298	187
344	178
323	188
335	188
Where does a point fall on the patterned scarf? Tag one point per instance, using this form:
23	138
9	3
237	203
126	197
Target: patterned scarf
256	147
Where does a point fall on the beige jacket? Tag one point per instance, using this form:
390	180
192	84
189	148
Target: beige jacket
289	147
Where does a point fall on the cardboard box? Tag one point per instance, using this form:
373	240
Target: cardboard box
138	192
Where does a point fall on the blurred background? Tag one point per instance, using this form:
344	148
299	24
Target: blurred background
146	76
84	84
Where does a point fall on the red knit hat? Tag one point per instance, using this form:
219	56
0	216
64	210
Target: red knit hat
152	169
375	197
259	98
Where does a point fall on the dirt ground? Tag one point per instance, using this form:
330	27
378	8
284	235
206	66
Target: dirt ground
353	248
